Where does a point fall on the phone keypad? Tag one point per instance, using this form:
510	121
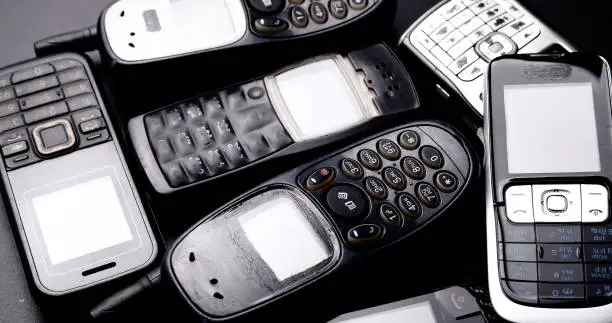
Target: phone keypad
47	109
464	35
554	240
385	202
215	133
288	18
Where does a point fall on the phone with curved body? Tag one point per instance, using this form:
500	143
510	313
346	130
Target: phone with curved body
458	38
301	107
318	219
77	213
142	32
549	147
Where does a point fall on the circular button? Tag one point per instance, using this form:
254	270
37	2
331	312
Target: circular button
271	25
351	168
358	4
338	9
299	17
318	13
413	168
347	201
409	205
445	181
375	188
369	159
388	149
267	6
409	140
394	178
256	92
431	157
390	215
428	195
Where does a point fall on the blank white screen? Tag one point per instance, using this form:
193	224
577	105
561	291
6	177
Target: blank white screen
283	237
319	99
420	312
550	128
81	219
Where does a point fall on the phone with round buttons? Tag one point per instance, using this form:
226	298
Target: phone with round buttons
319	218
458	38
548	141
302	106
76	210
136	32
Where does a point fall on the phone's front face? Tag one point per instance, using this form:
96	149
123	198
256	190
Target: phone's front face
137	30
550	169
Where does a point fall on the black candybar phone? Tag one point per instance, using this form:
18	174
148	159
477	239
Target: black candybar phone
549	153
297	108
313	221
139	32
76	210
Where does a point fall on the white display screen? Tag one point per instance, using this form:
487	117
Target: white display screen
319	99
420	312
283	237
550	128
81	219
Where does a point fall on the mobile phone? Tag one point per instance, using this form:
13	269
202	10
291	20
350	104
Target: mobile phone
547	133
452	304
77	213
140	32
320	218
297	108
458	38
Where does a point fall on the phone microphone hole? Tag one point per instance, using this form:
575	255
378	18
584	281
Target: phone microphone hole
122	13
131	45
214	281
99	269
218	295
132	34
191	257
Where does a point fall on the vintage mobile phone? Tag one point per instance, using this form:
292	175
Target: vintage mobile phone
77	213
547	131
318	218
136	32
300	107
458	38
450	305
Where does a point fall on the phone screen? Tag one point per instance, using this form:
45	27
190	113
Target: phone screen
81	219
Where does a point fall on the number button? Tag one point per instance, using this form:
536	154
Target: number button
409	205
174	118
428	195
375	188
413	168
394	178
195	167
390	215
409	140
369	159
351	169
431	157
388	149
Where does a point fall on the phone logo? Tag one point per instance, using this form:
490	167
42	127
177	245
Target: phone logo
457	301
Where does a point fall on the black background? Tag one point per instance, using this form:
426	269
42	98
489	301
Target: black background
583	23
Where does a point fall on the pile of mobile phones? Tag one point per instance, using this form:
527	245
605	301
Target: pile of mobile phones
341	160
